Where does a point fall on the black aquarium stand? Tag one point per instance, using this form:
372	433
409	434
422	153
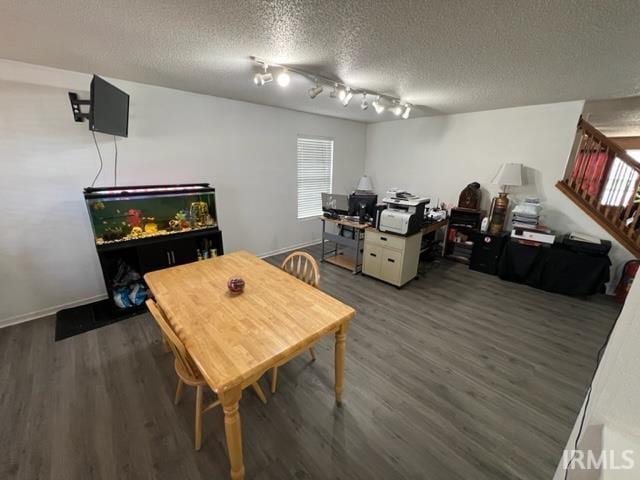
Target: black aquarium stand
142	255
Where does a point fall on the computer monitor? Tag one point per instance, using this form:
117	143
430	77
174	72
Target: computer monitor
335	202
366	201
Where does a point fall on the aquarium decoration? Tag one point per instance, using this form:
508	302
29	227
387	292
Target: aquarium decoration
199	212
134	217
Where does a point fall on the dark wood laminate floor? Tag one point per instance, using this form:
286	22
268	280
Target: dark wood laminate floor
457	376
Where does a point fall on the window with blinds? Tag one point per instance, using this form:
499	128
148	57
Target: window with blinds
315	169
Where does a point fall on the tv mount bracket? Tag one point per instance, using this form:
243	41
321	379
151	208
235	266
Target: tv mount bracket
78	116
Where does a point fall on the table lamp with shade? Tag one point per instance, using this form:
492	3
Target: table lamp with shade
509	175
364	185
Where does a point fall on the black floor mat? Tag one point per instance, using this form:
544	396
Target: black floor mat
76	320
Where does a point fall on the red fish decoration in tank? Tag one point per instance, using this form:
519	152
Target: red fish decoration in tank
134	217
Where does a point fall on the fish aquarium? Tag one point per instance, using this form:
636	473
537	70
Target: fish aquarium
123	214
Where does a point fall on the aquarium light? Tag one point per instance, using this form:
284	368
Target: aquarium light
150	189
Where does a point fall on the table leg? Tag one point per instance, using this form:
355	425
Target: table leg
232	431
341	337
355	267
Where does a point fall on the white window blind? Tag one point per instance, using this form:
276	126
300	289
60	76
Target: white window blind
315	169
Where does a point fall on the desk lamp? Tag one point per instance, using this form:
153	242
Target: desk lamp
364	185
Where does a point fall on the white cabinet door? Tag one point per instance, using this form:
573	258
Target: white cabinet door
391	266
371	260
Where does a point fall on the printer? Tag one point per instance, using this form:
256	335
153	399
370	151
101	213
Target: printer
404	214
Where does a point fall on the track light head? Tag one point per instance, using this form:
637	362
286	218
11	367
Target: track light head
315	91
364	105
284	78
396	109
263	78
407	111
342	93
334	92
348	95
377	105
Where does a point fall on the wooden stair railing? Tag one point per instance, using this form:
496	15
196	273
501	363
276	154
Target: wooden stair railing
603	180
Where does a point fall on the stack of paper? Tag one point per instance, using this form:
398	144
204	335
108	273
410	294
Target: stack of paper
527	214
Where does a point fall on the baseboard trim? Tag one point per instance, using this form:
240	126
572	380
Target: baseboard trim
289	248
45	312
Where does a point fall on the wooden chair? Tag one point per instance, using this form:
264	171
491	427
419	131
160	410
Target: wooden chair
187	371
304	267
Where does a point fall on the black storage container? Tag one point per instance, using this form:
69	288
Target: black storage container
597	249
486	252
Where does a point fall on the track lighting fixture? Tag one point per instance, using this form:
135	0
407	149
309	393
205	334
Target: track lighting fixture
396	109
364	105
315	91
284	78
348	95
344	93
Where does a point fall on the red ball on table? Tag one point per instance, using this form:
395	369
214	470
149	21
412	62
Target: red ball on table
235	285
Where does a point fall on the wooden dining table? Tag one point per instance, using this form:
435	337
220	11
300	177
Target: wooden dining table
235	339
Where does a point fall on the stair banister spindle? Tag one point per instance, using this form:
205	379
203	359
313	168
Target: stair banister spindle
629	177
578	141
583	166
611	164
612	178
598	200
613	200
592	169
576	164
627	211
606	167
631	230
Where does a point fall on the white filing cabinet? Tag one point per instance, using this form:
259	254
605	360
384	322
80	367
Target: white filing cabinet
391	258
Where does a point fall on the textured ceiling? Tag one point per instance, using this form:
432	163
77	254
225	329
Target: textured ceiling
451	56
615	118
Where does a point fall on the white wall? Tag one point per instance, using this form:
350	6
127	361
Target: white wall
439	156
247	151
616	387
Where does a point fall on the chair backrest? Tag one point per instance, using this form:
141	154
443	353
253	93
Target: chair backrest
176	345
302	266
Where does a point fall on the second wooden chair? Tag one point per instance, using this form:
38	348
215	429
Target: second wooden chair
304	267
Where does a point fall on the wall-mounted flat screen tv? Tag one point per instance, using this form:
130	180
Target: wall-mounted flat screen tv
109	111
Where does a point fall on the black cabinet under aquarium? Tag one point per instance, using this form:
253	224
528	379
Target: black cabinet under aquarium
138	229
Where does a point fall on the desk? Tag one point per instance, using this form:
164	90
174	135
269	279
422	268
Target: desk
353	263
234	340
434	227
430	247
555	269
